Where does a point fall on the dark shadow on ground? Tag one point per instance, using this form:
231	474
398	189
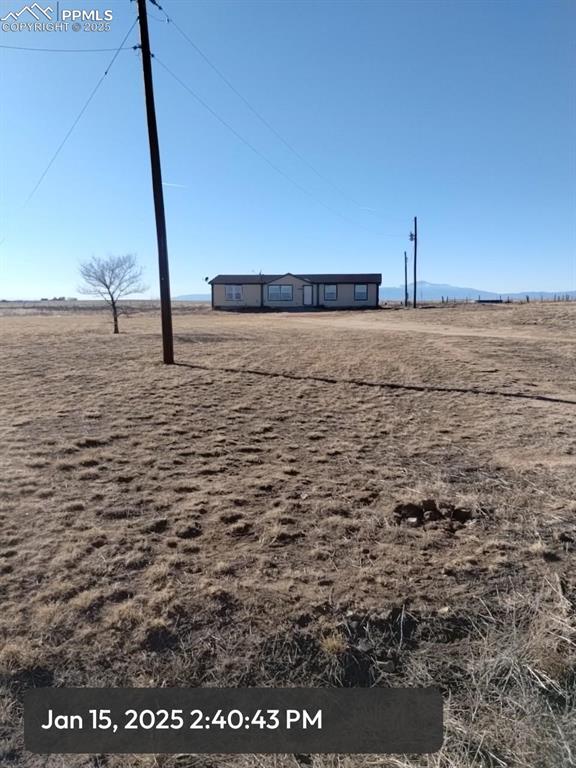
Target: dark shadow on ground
382	384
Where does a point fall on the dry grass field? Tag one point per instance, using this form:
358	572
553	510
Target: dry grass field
375	498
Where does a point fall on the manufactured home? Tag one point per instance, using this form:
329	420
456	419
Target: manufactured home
295	292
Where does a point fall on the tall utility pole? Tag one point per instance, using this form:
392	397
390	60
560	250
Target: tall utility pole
414	239
165	302
405	279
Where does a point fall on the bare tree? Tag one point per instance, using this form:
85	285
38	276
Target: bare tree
111	278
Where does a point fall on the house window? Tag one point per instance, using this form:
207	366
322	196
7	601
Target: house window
330	292
279	293
233	292
360	292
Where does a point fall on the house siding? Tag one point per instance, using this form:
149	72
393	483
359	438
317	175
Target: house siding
345	296
255	295
250	297
297	293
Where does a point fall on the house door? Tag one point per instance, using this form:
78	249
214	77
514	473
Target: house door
307	295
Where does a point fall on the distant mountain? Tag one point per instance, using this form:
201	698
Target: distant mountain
192	297
435	291
429	292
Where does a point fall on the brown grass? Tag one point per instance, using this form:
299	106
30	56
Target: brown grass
230	520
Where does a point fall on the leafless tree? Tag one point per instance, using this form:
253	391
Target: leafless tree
111	278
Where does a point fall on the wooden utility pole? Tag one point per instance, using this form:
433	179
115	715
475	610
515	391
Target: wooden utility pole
165	301
405	279
414	239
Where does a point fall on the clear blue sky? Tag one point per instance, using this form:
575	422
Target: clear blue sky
461	112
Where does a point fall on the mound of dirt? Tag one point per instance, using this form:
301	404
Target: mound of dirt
417	514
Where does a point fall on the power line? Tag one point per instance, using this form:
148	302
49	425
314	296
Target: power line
68	50
157	18
255	112
84	108
256	151
77	120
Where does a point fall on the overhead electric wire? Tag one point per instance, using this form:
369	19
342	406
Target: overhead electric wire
255	112
79	116
256	151
67	50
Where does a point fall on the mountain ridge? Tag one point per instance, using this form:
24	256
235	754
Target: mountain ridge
432	292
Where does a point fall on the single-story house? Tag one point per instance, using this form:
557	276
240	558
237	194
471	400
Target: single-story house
261	292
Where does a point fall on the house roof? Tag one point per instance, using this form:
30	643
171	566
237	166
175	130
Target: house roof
369	277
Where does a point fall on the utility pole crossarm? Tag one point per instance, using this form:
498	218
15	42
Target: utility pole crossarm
165	301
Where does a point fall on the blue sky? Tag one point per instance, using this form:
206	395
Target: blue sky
462	113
